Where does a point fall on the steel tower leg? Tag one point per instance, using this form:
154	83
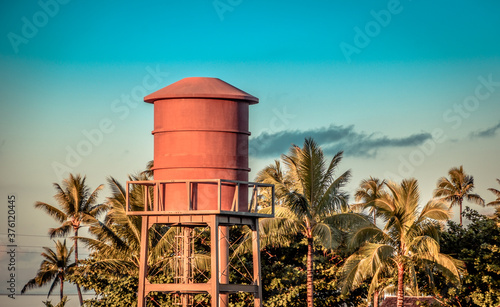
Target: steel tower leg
143	262
214	250
224	263
256	263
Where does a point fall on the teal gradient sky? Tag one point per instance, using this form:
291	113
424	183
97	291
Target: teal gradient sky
382	104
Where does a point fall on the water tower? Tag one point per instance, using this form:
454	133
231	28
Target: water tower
201	180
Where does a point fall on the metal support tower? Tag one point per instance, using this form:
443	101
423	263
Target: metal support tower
218	221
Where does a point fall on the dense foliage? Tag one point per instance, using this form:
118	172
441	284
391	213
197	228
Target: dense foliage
304	250
478	245
311	198
284	277
408	241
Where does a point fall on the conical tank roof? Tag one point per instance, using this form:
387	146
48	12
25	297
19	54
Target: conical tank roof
201	87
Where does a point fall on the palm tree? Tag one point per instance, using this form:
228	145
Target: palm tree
308	198
77	208
369	191
54	268
496	192
455	189
118	238
408	241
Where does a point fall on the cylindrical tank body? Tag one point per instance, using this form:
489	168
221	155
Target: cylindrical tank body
201	132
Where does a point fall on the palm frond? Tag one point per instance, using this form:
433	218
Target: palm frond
366	234
32	283
149	170
106	249
451	268
112	266
371	259
91	199
347	221
475	198
280	230
351	275
436	210
332	167
61	231
57	214
424	246
331	199
53	285
62	198
299	204
273	174
495	192
329	237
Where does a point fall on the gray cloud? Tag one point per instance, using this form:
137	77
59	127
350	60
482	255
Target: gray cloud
332	139
489	132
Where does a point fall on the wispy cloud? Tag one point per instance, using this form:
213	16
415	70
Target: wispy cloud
489	132
332	139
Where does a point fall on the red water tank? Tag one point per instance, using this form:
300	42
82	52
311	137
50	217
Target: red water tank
201	132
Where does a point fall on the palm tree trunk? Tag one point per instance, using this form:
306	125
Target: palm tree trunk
460	203
375	298
401	294
310	286
61	287
80	298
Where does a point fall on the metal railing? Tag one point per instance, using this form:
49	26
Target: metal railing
154	201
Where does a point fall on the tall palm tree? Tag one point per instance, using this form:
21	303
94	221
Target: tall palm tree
368	192
53	268
496	192
77	208
409	240
455	189
308	197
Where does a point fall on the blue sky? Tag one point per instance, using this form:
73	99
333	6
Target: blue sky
405	88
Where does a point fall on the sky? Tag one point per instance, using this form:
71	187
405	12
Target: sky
404	88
